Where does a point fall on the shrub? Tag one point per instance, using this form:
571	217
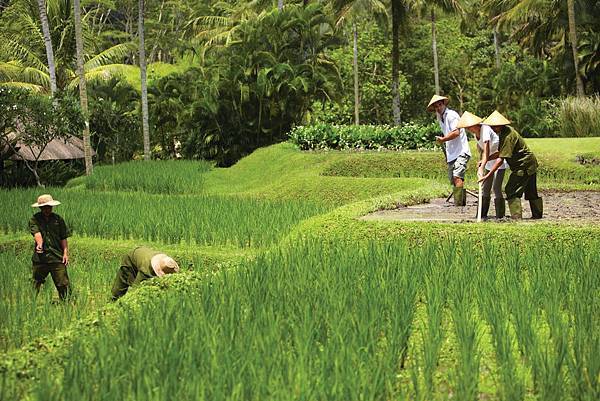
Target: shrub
365	137
580	117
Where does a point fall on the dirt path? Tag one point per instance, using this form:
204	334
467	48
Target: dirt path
572	207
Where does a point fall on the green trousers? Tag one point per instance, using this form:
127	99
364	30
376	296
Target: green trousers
58	271
518	185
126	277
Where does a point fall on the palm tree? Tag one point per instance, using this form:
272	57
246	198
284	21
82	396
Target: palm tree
573	40
399	14
48	44
22	48
145	125
280	5
352	10
87	148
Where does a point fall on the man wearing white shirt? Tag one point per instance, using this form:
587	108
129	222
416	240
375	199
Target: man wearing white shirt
457	146
487	144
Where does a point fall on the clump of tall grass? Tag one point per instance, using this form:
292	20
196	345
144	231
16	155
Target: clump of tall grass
156	176
579	116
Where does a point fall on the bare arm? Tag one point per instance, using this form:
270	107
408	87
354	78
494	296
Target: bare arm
39	242
495	167
451	135
65	246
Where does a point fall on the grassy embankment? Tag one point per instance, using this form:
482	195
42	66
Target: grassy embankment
282	173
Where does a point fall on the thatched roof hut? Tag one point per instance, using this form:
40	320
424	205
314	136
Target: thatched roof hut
58	149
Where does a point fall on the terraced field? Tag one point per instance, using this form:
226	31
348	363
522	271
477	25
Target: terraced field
287	294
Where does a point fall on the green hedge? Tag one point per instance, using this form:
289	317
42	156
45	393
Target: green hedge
365	137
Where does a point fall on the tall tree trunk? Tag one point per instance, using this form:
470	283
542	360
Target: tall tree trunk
145	125
396	13
83	100
436	69
280	5
355	64
497	47
573	40
48	44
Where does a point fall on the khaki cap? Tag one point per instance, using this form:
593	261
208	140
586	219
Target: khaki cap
45	200
496	119
163	264
468	120
435	99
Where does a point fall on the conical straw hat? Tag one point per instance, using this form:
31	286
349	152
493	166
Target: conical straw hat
496	119
468	120
163	264
436	98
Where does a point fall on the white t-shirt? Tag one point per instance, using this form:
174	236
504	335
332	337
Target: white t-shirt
488	135
459	145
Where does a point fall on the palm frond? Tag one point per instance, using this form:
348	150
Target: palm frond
110	55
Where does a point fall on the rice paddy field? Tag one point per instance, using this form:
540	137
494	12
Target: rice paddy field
285	294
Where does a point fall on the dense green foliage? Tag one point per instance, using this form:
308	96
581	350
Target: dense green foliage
227	77
364	137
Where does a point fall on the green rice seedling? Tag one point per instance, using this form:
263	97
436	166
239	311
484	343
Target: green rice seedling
156	176
435	279
462	309
203	220
583	363
495	309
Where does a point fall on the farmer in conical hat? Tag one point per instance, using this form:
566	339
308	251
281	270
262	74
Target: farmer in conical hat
139	264
457	146
487	144
51	253
523	166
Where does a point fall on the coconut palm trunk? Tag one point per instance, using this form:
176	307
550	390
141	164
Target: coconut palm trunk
497	47
355	63
145	124
573	40
83	100
396	16
280	5
436	68
48	44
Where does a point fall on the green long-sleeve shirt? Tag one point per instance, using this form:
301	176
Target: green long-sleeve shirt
53	230
140	259
513	149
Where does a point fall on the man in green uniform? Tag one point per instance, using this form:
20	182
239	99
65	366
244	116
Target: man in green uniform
523	166
51	254
139	264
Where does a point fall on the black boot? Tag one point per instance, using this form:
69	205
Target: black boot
537	208
485	206
500	206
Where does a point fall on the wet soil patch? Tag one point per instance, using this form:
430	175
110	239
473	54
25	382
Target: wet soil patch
572	207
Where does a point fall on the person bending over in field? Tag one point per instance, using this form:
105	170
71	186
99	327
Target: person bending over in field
487	143
523	166
457	146
51	253
139	264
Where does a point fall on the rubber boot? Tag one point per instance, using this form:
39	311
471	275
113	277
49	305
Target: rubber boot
537	208
500	206
459	197
516	211
464	197
485	206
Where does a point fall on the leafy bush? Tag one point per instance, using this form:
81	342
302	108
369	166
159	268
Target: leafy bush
365	137
579	117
